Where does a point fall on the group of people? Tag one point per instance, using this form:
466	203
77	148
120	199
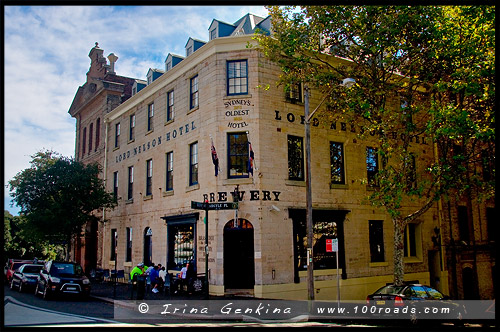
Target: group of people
155	277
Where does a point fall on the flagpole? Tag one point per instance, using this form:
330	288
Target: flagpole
254	168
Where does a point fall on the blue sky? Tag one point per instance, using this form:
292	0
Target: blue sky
46	60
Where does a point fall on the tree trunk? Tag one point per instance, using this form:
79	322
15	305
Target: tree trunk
398	251
68	248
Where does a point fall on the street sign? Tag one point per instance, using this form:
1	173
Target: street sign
332	245
214	206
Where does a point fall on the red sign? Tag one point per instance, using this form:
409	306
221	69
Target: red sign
332	245
329	245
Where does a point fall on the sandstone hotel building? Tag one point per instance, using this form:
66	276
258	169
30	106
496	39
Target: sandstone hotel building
155	141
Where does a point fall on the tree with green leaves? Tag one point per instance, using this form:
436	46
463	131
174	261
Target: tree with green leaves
420	71
20	242
57	196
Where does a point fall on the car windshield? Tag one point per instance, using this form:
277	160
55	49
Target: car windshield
419	291
66	269
434	293
15	266
391	289
32	268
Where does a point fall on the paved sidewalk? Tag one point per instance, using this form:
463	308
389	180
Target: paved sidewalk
107	291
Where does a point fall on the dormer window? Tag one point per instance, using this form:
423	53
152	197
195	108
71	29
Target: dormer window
169	66
213	34
189	50
150	79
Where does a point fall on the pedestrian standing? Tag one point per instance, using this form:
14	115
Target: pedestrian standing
162	274
148	279
154	276
137	276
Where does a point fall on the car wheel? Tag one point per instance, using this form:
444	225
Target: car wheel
20	287
46	294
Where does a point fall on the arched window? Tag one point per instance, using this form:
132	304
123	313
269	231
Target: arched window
148	246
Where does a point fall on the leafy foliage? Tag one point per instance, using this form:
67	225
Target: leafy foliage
19	242
58	195
422	72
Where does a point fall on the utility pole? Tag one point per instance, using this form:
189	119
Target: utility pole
309	225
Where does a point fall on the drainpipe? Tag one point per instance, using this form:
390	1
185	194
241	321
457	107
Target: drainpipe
105	167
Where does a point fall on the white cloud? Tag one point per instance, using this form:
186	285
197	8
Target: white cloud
46	60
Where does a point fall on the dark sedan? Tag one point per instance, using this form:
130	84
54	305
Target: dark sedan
423	302
62	278
25	276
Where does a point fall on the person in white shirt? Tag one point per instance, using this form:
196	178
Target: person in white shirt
162	273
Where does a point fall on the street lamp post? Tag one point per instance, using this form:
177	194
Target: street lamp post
347	82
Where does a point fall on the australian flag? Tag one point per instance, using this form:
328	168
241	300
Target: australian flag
250	160
215	159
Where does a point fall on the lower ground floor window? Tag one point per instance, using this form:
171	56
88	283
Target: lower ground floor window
327	224
181	240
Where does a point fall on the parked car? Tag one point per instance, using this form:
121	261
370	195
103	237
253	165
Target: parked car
421	298
26	276
62	278
12	265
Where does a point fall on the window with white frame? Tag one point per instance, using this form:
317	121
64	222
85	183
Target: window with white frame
149	177
130	191
117	135
151	110
170	105
131	134
237	77
193	92
169	185
193	164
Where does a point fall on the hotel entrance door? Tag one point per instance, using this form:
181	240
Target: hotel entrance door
239	264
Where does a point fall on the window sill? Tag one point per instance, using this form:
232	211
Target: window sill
193	187
228	182
129	201
127	264
193	109
116	148
147	198
414	259
131	141
229	97
149	132
295	183
338	186
294	102
169	122
379	264
168	193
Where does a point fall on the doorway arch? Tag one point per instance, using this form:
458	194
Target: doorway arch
148	246
239	262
